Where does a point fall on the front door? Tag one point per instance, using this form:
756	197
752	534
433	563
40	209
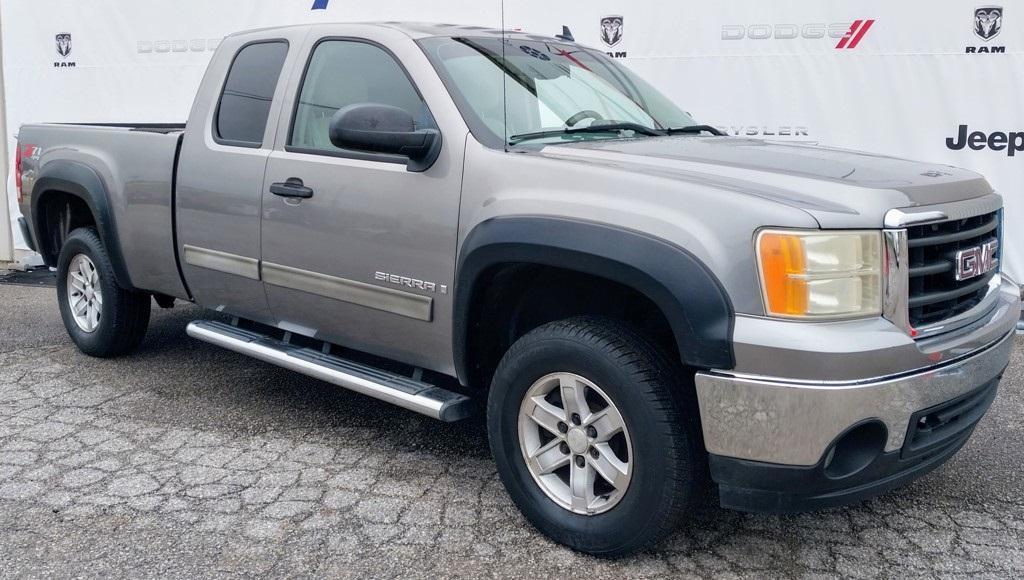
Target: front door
366	258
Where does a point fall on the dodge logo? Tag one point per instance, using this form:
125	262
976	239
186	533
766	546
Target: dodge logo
976	261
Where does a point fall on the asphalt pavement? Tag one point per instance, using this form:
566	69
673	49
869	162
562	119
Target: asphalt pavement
188	461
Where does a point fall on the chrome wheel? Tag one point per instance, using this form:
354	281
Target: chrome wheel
575	443
85	296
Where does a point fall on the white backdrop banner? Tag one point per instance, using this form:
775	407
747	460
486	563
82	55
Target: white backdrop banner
936	80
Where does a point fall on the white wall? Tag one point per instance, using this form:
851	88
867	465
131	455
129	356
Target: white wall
903	90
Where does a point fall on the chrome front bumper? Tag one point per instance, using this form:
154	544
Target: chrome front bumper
798	386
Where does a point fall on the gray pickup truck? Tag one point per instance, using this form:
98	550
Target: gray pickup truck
646	310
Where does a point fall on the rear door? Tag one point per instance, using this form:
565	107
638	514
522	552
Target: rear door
367	261
220	174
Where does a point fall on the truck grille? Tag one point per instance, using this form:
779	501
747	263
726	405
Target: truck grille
935	293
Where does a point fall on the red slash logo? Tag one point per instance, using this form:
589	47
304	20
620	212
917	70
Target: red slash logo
856	32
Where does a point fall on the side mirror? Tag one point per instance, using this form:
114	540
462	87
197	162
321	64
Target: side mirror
385	129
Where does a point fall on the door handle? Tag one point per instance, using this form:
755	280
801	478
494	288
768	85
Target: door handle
291	187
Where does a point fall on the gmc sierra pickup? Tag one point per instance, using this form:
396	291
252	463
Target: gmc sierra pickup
433	215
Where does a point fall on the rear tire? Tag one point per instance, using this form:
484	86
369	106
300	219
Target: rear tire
659	460
102	319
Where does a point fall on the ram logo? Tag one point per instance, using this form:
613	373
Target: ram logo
64	51
611	30
64	44
988	21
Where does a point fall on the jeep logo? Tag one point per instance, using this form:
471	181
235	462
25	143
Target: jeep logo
1011	142
974	262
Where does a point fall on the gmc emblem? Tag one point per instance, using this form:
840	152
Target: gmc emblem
976	261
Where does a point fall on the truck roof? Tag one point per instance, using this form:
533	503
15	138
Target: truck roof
417	30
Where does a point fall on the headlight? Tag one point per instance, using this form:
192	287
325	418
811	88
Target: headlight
820	274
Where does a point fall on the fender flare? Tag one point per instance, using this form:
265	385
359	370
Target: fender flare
692	299
81	181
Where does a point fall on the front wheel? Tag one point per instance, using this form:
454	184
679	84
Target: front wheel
102	319
592	436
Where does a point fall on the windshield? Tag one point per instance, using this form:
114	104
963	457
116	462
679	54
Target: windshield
540	89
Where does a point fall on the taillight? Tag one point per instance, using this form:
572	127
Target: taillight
20	152
17	172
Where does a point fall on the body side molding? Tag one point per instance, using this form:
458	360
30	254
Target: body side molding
690	296
360	293
228	263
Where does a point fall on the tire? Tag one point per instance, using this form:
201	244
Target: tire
664	455
120	321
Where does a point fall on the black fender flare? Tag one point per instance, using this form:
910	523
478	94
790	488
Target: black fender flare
692	299
79	180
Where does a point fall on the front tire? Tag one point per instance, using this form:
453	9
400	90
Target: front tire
590	429
102	319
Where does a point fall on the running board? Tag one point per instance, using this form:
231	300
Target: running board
380	384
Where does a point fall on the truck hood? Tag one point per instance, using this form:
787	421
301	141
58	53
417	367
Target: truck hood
840	188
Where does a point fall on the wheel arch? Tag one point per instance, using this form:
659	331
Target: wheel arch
687	293
77	180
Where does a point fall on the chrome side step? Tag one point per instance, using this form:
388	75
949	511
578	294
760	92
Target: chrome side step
380	384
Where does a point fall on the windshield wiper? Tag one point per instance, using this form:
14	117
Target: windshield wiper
605	128
695	129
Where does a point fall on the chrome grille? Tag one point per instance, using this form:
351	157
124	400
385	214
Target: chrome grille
935	294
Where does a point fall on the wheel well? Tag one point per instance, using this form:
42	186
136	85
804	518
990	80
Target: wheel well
60	213
512	299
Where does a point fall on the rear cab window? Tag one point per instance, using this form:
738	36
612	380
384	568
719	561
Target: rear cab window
244	105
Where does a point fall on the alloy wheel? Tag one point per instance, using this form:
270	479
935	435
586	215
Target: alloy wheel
85	294
575	443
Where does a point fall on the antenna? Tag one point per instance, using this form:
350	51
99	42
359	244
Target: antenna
566	34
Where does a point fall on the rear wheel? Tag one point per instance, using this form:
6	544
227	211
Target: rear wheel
594	437
101	318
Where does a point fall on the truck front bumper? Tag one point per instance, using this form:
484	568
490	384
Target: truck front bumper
822	438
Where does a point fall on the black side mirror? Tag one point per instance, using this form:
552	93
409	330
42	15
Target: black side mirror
385	129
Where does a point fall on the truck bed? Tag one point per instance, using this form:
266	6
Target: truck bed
135	165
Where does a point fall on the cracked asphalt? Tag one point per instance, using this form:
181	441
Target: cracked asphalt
185	460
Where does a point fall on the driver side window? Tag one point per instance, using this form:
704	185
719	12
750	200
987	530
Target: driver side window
349	72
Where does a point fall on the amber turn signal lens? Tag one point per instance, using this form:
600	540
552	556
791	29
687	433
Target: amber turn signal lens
782	260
